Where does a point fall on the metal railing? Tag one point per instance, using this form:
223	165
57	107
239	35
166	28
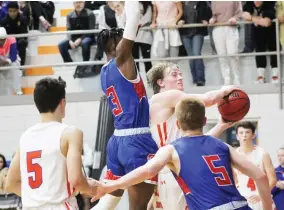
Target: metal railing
278	52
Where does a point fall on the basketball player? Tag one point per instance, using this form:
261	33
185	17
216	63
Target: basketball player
47	168
245	133
131	145
201	165
167	83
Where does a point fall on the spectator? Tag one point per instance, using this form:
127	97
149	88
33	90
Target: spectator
3	9
166	41
79	19
261	13
15	23
280	16
9	57
26	11
118	7
249	36
278	190
3	162
193	38
226	38
42	12
144	38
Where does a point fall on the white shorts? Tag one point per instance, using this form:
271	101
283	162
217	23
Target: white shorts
68	205
169	195
256	206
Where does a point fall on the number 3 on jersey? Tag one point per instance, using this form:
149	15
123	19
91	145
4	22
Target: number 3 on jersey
225	180
110	92
35	180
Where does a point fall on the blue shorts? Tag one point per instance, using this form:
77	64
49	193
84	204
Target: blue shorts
126	153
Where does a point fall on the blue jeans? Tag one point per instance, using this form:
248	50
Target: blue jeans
193	46
64	46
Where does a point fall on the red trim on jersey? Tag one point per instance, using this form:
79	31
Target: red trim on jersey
165	132
160	132
159	205
67	206
110	176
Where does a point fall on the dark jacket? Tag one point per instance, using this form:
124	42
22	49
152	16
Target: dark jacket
86	20
16	26
195	12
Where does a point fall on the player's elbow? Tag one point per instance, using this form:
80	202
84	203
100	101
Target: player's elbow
261	177
151	172
75	181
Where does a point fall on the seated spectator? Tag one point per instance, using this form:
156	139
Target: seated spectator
3	9
193	38
278	190
15	23
166	41
26	11
144	38
9	79
226	38
3	162
118	7
42	12
79	19
280	16
261	13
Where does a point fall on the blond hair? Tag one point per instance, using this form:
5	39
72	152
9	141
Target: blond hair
190	113
156	73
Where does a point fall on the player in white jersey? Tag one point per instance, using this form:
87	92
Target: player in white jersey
245	133
167	83
47	168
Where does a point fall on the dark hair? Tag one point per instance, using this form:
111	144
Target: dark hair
4	161
13	5
108	39
48	93
145	5
246	125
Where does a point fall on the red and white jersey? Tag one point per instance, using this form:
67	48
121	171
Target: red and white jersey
44	178
246	185
165	132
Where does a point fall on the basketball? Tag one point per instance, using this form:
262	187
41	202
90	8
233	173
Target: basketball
235	106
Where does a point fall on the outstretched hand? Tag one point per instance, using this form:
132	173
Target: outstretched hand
100	190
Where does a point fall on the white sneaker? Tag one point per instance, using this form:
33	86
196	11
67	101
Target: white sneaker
259	80
274	80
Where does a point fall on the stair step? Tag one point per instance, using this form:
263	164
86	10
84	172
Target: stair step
47	50
65	12
57	28
39	71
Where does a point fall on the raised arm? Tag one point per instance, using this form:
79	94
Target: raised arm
171	97
251	170
124	58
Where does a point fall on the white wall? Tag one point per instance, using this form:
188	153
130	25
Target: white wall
16	119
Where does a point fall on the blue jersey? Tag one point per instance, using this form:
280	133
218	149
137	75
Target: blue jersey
127	100
206	176
278	194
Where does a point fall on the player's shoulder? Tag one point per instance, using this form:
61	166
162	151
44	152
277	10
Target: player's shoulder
71	130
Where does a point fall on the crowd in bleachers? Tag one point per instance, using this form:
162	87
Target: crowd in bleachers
20	17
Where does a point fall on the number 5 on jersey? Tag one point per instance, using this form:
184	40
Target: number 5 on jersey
35	180
110	92
221	170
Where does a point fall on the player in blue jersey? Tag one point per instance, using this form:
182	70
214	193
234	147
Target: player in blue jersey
131	145
201	165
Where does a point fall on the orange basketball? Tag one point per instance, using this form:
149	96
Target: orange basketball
235	106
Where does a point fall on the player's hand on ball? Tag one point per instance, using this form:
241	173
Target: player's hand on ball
226	124
254	199
226	90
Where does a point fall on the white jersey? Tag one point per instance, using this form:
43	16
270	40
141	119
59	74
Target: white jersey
44	180
246	185
169	195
